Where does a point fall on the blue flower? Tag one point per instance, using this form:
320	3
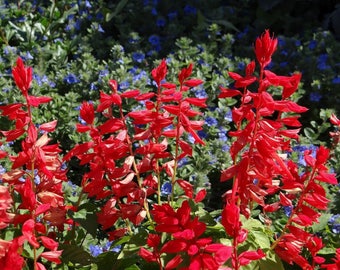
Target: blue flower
189	10
202	134
103	73
172	15
138	57
71	79
166	189
315	97
88	4
225	148
336	80
321	62
297	43
160	22
288	210
222	135
93	87
334	221
95	250
228	116
154	40
211	121
182	162
201	93
312	44
100	29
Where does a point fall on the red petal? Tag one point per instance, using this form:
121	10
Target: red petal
49	127
52	256
174	246
36	101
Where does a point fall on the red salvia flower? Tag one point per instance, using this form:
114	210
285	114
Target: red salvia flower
22	76
265	46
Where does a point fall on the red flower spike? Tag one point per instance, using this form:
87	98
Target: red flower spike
265	46
22	76
113	85
185	74
160	72
87	112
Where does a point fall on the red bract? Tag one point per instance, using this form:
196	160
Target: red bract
5	205
160	72
22	76
265	46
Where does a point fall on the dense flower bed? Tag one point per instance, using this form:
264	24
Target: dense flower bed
205	164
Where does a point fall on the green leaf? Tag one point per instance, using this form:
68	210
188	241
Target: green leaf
75	255
271	264
261	239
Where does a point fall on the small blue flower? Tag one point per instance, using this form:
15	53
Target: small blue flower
95	250
312	44
71	79
334	221
88	4
228	116
103	73
336	80
172	15
100	29
297	43
93	87
155	42
241	66
202	134
321	62
315	97
138	57
225	148
123	85
283	64
2	169
201	93
189	10
160	22
182	162
166	189
288	210
211	121
222	135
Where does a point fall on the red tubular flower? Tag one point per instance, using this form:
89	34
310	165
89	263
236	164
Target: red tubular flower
5	204
265	46
22	76
159	73
231	219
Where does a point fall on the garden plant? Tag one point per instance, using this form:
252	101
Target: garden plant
138	198
212	158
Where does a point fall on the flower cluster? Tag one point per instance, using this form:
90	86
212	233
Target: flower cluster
131	183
